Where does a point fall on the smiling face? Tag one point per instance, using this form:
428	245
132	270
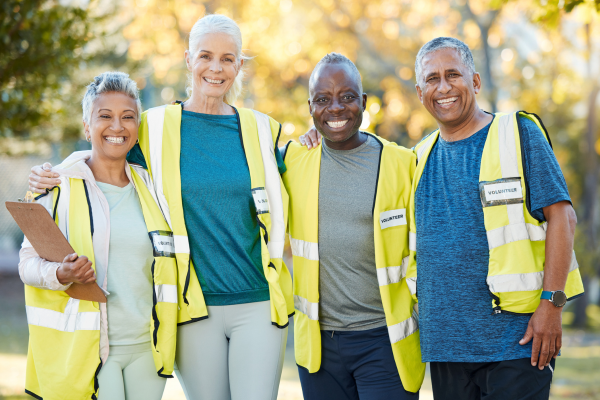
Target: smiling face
113	126
448	90
214	65
336	103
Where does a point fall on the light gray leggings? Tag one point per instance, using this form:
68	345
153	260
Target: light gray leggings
234	354
129	374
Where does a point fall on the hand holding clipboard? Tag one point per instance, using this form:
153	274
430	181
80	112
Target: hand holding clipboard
50	244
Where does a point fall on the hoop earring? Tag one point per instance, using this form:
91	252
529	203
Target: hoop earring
89	139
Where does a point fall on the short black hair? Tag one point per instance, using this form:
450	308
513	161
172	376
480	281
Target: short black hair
336	58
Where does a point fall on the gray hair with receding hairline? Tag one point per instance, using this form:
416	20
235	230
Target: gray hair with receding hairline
336	58
443	43
110	82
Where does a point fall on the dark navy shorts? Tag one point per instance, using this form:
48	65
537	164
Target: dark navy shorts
355	365
503	380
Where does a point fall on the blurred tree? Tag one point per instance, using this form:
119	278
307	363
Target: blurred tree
41	43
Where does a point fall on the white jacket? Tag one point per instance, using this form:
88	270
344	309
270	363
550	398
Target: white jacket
40	273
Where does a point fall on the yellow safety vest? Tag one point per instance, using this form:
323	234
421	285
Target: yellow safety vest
390	218
160	142
516	240
63	358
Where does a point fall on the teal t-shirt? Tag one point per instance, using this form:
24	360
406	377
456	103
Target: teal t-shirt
220	215
129	274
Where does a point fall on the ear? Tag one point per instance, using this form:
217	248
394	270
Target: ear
364	101
419	93
310	110
476	82
86	130
188	60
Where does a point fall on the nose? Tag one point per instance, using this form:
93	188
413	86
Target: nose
215	65
116	125
444	86
335	106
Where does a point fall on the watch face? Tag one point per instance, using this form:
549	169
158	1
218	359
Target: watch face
559	298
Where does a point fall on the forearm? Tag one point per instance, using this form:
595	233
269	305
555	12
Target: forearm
36	271
559	244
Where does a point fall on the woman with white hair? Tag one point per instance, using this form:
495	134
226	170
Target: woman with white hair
124	348
215	170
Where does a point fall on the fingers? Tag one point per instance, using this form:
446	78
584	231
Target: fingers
314	137
544	352
70	258
89	275
82	270
39	184
44	171
528	336
551	350
302	141
558	345
535	351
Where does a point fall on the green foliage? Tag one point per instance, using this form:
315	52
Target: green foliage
41	43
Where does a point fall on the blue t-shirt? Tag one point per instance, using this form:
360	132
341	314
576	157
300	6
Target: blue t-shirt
455	306
219	211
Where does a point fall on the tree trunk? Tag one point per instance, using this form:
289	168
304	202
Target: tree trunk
580	307
590	185
484	23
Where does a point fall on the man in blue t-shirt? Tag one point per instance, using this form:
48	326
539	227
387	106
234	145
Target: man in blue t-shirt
474	352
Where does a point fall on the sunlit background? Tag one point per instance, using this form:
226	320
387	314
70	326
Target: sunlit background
542	56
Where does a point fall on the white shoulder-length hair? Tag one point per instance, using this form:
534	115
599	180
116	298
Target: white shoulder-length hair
217	23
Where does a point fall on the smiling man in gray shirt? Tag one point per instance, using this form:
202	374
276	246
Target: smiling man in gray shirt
356	336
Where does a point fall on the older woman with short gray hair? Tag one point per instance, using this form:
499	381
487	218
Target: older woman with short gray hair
124	348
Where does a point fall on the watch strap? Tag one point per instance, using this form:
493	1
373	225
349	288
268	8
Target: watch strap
546	295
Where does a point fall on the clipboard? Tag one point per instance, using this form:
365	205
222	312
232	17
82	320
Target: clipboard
50	243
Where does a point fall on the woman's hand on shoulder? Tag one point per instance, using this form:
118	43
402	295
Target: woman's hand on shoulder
75	269
310	139
42	178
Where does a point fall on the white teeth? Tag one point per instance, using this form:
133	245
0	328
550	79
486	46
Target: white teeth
212	80
115	139
446	101
336	124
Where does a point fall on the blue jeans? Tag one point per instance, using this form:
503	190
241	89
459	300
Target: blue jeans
355	365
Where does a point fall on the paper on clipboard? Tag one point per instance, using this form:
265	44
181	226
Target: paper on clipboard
50	243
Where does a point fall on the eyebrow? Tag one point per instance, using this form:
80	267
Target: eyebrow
108	109
210	52
446	71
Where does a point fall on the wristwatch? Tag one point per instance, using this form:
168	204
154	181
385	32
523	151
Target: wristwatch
557	297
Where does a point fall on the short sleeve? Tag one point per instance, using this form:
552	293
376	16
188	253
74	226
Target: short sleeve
280	163
544	179
135	156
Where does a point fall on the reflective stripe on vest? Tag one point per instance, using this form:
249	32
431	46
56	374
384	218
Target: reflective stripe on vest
301	248
403	329
311	310
166	293
68	321
389	275
522	282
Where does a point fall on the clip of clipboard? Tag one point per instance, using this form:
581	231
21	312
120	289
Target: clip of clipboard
50	243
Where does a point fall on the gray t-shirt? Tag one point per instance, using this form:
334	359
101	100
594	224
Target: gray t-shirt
349	293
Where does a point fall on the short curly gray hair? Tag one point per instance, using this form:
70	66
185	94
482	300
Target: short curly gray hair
336	58
118	82
440	43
